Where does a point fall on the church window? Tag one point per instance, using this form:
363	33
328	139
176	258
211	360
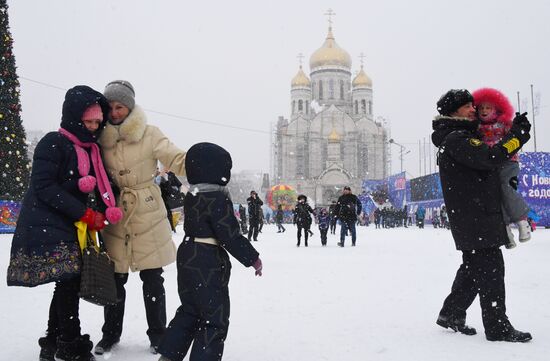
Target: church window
341	89
307	106
356	107
300	160
300	105
370	107
293	106
331	89
363	106
320	89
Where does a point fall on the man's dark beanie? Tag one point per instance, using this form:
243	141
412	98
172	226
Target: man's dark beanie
208	163
452	100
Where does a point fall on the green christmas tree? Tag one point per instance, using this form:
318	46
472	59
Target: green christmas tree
14	164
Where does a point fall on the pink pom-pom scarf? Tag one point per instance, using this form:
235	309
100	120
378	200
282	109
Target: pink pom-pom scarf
113	214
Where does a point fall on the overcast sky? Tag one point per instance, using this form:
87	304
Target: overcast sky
231	62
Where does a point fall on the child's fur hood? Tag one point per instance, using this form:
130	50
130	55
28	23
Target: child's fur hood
505	110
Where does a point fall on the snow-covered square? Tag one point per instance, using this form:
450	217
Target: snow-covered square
377	301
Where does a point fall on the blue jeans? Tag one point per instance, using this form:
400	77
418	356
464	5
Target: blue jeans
344	226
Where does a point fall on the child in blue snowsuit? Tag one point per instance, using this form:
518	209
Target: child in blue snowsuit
324	222
211	229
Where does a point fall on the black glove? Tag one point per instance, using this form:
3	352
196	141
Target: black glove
521	124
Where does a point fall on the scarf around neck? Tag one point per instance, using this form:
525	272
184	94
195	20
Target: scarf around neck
113	214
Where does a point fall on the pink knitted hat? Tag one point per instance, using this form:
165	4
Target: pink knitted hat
93	112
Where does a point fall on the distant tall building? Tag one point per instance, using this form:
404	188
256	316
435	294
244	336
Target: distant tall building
331	139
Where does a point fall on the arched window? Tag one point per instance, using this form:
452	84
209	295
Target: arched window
363	106
370	107
341	89
331	89
307	106
356	107
293	106
300	105
320	89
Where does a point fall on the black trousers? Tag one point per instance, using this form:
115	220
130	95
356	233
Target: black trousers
280	227
305	227
333	226
253	229
63	318
203	317
323	236
481	272
155	305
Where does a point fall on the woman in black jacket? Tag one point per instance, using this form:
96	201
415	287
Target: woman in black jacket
302	218
64	182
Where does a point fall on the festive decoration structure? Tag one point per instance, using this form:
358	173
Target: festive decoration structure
282	194
14	164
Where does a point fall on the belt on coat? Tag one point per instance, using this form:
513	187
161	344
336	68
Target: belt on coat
133	190
208	240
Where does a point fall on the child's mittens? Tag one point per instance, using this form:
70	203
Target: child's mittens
258	267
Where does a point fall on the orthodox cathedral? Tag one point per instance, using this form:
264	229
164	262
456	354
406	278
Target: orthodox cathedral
331	139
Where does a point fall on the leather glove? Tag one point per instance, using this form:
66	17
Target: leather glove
258	267
94	220
520	124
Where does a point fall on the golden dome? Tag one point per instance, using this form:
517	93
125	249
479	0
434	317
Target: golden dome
362	79
330	54
300	79
334	137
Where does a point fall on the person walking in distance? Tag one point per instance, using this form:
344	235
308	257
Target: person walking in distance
302	218
332	216
279	215
254	209
347	209
324	221
469	172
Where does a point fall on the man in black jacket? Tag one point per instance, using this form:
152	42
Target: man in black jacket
347	209
254	209
469	178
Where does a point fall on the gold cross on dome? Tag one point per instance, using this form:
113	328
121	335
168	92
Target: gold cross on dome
362	57
330	13
300	56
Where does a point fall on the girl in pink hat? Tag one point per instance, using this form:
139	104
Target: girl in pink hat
495	114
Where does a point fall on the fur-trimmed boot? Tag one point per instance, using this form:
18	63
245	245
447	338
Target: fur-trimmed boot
524	230
75	350
48	346
511	242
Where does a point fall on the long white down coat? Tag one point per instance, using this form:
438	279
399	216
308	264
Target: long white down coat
143	238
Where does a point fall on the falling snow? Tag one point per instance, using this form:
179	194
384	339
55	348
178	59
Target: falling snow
377	301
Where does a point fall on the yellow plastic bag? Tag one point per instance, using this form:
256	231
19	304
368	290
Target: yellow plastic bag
85	236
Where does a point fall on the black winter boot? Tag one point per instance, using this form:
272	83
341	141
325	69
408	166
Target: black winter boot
456	325
105	345
75	350
512	335
48	346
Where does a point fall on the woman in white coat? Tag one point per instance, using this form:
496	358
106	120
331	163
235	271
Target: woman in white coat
142	241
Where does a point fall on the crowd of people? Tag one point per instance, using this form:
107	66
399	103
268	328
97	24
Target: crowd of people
99	170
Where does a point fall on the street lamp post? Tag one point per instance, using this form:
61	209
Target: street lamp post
401	149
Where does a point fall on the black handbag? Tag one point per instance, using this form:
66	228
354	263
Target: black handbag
175	200
97	277
171	196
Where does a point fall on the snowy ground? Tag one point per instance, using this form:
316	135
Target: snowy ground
377	301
